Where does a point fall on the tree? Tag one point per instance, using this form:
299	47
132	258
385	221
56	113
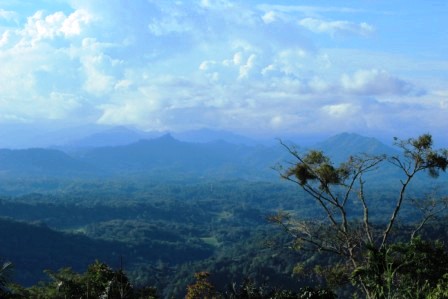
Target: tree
403	270
5	275
441	290
334	188
99	281
202	288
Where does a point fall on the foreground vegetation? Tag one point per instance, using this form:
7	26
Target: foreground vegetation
366	249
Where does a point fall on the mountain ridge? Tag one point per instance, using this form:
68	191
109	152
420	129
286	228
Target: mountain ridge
166	155
339	146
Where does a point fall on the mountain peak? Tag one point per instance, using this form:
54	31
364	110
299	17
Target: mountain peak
164	140
166	137
343	145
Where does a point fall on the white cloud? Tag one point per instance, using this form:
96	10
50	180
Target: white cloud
308	10
55	106
4	39
41	26
246	68
238	58
291	61
239	66
216	4
38	26
8	15
131	112
341	110
375	82
336	27
73	24
269	17
123	84
228	64
62	105
285	121
168	25
97	82
206	65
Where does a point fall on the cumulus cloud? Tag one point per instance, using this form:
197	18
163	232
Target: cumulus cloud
131	112
41	66
239	66
73	24
336	27
186	64
41	26
376	82
167	103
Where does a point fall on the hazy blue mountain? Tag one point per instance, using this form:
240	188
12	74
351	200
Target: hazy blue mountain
168	155
208	135
121	135
40	162
112	137
343	145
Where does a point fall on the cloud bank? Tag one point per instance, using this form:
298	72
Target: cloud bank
261	69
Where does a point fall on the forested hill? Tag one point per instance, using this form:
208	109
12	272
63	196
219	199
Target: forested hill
41	162
166	157
118	204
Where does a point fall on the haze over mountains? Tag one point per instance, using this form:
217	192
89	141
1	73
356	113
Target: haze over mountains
22	136
121	151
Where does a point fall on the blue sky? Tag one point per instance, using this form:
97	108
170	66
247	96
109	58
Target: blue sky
267	68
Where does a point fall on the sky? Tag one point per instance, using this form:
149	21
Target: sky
260	68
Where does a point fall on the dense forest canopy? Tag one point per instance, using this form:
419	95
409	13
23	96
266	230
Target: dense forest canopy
156	233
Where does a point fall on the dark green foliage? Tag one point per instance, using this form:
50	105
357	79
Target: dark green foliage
423	261
441	289
403	270
421	151
313	293
99	281
316	167
165	231
33	248
203	288
5	275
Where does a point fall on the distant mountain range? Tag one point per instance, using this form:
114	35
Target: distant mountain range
110	137
90	136
168	156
